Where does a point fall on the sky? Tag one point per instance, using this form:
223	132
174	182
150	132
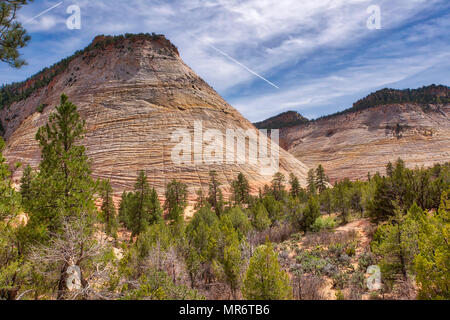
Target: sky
265	56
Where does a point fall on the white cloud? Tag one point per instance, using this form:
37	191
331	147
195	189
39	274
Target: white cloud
276	38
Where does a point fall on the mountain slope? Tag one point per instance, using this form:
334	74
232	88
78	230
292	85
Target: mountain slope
283	120
376	130
134	93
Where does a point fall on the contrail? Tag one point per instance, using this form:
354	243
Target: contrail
237	62
44	12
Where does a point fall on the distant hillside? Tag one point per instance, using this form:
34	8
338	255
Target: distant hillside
283	120
433	94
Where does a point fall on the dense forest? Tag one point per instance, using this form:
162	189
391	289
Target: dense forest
74	243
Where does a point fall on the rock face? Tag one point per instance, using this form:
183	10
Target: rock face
135	92
352	144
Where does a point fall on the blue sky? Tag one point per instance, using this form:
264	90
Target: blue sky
319	53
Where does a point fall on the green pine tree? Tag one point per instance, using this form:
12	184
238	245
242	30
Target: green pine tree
397	242
310	213
432	264
12	268
389	169
278	190
311	180
321	179
241	190
12	36
215	196
25	186
342	198
108	210
265	280
176	199
142	211
261	220
63	187
295	185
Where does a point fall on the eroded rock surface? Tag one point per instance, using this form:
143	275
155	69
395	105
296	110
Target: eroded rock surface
134	94
353	144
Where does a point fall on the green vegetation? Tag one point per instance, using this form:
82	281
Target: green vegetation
279	244
142	207
41	108
265	280
12	36
283	120
434	94
108	212
176	200
432	262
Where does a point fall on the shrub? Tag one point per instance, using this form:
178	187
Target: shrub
339	295
351	249
323	223
366	259
307	287
41	108
340	280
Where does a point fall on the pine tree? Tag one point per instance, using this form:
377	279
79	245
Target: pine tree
321	179
154	210
239	221
310	213
241	189
176	199
12	36
295	185
260	219
326	200
202	234
63	187
397	242
432	264
124	209
389	169
142	212
201	200
25	186
312	188
215	196
229	262
342	198
265	280
7	193
108	210
232	264
278	186
381	206
355	200
12	273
